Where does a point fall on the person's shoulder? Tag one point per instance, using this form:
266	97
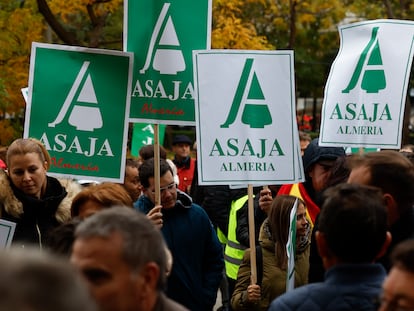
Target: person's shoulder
198	210
300	298
143	204
167	304
71	186
8	200
4	182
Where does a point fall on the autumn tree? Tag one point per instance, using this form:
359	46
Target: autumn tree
309	27
231	31
81	22
91	23
19	26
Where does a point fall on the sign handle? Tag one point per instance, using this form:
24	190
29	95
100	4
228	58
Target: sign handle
157	165
252	237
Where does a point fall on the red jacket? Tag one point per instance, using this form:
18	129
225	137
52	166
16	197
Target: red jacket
185	175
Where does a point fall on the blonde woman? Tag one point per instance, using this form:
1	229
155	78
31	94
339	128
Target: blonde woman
29	197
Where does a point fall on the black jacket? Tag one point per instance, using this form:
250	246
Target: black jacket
34	218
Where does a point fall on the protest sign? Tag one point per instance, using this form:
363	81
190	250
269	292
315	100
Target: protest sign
78	106
7	229
162	35
291	249
246	117
367	86
143	134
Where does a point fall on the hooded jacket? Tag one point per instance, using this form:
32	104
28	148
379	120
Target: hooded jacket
34	217
197	254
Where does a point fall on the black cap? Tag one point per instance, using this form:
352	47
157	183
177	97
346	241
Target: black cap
314	154
182	139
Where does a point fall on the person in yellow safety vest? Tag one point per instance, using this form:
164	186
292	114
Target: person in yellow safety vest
233	251
221	236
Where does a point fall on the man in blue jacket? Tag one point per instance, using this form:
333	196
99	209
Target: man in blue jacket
197	254
352	234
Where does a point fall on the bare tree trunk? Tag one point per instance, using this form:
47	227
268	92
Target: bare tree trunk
390	13
98	23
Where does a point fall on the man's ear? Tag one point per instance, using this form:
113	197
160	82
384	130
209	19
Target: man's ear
385	245
150	274
311	170
327	258
392	208
321	244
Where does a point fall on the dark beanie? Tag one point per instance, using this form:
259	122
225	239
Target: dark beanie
314	153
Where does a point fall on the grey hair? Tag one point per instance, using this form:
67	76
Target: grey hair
40	281
142	241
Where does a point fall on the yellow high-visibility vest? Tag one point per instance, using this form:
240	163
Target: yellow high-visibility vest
234	251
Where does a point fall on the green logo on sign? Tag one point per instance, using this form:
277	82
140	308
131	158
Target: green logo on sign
373	78
84	116
78	108
256	114
163	35
164	44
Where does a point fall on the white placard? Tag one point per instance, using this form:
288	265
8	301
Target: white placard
246	117
6	233
367	86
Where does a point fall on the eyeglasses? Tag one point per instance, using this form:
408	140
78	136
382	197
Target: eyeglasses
169	188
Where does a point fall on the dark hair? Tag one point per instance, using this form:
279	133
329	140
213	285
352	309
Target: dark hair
142	242
146	170
339	172
353	219
60	239
147	152
132	163
303	136
392	172
403	255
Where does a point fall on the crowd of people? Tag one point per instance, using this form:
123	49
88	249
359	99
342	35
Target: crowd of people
353	245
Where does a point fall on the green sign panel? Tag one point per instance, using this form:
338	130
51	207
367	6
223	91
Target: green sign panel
78	107
143	134
162	35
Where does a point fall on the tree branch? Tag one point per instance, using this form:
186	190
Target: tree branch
62	33
97	23
390	13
